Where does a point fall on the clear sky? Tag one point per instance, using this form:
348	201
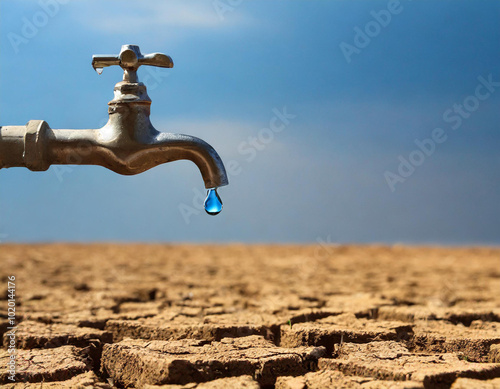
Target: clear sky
392	131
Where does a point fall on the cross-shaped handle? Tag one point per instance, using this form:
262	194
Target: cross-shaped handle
130	58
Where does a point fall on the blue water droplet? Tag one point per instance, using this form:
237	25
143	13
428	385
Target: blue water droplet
213	203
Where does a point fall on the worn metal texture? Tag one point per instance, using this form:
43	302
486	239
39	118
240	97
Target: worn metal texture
128	144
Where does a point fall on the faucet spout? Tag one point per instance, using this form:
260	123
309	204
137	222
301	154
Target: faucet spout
173	147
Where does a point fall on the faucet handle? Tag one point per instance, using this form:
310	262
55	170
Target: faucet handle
129	59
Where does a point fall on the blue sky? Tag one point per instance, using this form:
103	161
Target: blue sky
357	113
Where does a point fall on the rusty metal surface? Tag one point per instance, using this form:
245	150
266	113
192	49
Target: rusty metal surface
128	144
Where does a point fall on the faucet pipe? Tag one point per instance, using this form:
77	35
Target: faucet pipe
36	146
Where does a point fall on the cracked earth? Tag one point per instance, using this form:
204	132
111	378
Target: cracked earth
238	316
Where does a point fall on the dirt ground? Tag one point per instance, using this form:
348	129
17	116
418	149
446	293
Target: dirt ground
239	316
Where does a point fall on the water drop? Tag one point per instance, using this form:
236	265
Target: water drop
98	70
213	203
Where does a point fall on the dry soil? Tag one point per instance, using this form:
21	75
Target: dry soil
238	316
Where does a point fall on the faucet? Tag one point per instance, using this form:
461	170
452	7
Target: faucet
127	144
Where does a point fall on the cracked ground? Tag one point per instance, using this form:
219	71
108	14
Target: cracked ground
238	316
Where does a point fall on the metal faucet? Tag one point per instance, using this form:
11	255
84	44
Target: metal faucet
128	144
